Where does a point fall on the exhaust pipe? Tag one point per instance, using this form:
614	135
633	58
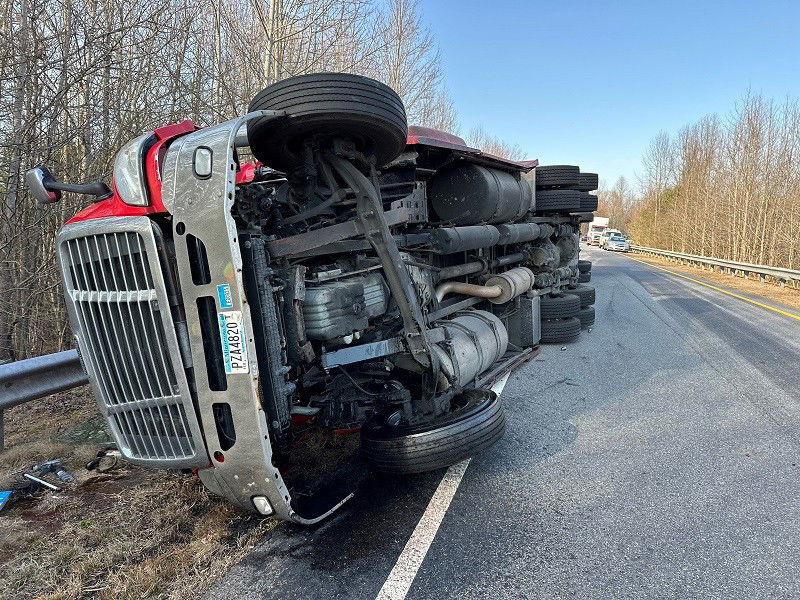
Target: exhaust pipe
499	289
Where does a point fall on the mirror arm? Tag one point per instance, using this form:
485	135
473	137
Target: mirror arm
47	189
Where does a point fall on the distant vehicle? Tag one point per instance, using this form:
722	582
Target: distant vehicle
607	233
596	228
617	243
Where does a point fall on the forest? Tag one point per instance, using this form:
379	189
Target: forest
727	187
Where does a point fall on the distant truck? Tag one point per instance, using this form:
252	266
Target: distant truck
596	229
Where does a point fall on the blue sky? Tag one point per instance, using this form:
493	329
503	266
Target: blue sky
590	83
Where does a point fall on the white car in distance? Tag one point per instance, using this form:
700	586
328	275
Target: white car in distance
617	243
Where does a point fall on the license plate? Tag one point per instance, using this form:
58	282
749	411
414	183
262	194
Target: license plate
234	348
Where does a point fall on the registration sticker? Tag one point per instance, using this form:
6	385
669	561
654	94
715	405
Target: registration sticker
234	349
224	295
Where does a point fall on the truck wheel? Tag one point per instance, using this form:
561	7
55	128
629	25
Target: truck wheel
584	266
587	182
324	106
441	443
586	294
557	201
585	277
586	317
558	331
556	176
587	202
559	307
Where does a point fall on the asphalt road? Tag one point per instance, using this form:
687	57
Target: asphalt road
658	457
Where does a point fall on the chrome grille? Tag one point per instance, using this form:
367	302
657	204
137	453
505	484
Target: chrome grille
118	304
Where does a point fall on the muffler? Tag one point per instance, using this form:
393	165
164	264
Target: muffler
474	340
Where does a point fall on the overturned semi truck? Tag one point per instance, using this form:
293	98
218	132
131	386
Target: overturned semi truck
282	299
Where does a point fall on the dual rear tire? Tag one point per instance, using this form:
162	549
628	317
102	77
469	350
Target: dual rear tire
564	189
560	331
559	318
586	296
586	317
585	293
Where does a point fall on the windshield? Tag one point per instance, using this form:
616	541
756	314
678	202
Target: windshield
617	238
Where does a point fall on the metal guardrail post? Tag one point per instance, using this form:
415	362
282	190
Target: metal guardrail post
32	378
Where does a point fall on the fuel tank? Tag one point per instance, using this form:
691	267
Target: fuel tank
469	194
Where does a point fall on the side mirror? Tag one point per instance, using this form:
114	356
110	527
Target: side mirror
37	179
47	189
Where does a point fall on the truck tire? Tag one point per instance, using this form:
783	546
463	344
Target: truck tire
584	266
549	201
558	331
587	202
324	106
435	445
586	293
586	317
585	277
587	182
552	176
559	307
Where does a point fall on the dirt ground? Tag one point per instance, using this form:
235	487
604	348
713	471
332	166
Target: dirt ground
787	295
123	533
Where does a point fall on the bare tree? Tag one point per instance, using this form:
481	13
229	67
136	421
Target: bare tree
726	187
616	203
479	138
79	78
409	62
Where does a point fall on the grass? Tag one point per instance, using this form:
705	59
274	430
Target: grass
787	295
126	533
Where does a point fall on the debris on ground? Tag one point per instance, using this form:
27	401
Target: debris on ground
116	531
41	482
104	460
54	465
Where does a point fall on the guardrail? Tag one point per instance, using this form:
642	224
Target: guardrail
32	378
780	275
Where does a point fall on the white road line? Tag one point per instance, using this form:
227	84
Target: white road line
405	569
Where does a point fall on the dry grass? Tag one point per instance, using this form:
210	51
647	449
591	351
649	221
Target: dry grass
785	295
128	533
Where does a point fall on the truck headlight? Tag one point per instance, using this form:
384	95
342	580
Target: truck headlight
129	176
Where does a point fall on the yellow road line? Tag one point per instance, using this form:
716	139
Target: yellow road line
718	289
